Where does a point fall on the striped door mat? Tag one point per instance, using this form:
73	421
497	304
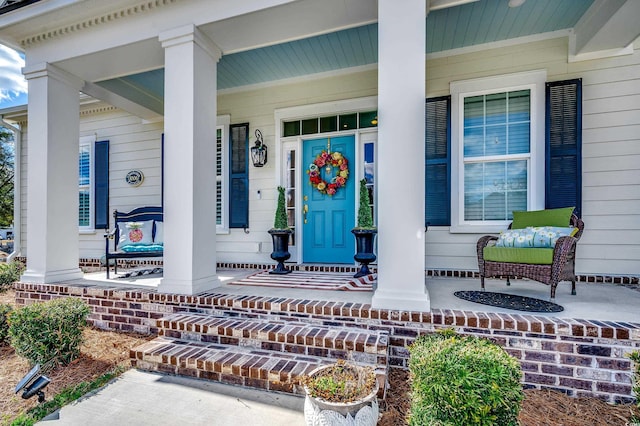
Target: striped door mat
310	281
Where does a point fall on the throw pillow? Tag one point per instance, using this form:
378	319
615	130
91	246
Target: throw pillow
537	237
158	237
135	233
550	217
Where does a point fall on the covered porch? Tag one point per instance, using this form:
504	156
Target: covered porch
164	61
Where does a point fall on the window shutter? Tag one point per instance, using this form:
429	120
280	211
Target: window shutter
239	176
101	185
162	171
438	161
563	163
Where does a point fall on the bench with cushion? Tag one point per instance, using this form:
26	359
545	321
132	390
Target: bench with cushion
539	245
136	234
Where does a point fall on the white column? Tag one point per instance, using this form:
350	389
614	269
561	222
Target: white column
190	161
52	175
400	175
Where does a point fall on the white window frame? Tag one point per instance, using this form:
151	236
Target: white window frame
88	141
222	123
531	80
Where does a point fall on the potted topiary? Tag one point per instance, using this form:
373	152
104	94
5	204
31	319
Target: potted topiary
341	393
365	233
280	236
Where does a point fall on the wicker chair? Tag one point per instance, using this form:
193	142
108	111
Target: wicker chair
562	268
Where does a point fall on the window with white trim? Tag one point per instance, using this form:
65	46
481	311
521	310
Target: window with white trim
498	149
85	183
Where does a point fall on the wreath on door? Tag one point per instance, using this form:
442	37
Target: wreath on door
335	165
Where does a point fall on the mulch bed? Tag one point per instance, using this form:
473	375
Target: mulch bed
539	408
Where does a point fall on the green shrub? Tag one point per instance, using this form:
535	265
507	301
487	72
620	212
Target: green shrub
49	332
463	380
9	273
4	325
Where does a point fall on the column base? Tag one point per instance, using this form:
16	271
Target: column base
190	287
52	276
403	301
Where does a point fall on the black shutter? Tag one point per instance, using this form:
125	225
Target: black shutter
162	171
438	161
563	163
101	185
239	176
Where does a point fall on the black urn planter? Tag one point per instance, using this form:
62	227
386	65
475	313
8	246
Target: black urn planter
364	249
280	252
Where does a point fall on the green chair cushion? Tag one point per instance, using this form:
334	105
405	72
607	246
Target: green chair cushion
530	256
550	217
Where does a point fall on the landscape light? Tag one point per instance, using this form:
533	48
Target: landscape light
32	384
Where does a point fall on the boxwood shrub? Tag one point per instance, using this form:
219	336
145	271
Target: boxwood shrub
49	332
463	380
4	325
9	273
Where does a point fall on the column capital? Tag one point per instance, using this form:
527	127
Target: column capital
45	69
190	34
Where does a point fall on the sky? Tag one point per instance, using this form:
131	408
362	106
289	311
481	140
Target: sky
13	86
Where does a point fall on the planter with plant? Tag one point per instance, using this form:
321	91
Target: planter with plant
342	393
280	234
365	233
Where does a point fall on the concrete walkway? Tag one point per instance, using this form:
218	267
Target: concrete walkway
142	398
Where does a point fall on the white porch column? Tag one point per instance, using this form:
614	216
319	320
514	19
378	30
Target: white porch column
400	179
190	161
52	175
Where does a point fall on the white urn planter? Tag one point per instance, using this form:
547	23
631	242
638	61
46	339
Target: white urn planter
319	412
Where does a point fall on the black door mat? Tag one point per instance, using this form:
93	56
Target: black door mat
509	301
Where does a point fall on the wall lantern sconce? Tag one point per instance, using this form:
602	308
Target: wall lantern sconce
259	151
32	384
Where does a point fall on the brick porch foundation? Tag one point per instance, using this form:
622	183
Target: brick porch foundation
578	357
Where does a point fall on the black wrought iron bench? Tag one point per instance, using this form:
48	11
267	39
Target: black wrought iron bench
136	234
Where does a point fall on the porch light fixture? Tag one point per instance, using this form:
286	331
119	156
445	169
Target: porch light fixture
32	384
259	151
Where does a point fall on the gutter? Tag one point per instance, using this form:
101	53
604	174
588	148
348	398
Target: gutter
17	218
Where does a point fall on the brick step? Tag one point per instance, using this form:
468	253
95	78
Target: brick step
231	364
360	345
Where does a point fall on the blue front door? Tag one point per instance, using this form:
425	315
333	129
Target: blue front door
328	219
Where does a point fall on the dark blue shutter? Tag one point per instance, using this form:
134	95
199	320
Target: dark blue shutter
162	171
101	185
563	163
438	161
239	175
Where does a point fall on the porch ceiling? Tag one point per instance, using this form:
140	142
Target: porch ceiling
268	40
469	24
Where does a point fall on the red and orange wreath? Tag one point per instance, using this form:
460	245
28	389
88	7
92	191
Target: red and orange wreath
329	161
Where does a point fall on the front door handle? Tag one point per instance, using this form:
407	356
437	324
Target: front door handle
305	210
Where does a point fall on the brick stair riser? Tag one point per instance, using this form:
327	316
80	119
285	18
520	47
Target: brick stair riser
350	353
257	369
289	337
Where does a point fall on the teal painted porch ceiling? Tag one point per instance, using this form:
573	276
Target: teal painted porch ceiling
471	24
